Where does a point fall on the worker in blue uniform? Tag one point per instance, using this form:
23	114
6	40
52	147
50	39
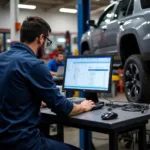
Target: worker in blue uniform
25	81
56	62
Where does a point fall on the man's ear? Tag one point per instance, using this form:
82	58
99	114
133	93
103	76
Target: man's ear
40	39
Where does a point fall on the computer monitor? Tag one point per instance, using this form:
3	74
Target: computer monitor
88	73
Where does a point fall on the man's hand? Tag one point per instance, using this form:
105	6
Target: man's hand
85	106
43	104
53	73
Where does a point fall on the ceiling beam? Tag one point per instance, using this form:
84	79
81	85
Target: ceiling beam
65	5
42	4
47	2
7	3
47	7
24	1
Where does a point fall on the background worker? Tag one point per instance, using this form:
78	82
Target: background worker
56	62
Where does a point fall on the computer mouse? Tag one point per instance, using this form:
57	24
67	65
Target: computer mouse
109	115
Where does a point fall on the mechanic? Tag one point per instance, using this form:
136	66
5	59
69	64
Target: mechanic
25	80
56	62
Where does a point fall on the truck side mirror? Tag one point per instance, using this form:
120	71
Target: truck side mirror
91	23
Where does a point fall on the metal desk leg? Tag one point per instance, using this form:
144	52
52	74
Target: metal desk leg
113	141
60	132
44	128
85	139
142	138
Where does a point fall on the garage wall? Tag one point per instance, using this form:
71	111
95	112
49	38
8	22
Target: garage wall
59	22
4	18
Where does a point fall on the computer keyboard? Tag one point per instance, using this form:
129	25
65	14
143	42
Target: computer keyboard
98	105
76	100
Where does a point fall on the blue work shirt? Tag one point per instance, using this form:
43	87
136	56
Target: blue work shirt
25	81
53	65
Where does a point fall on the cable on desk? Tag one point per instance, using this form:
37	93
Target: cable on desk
102	95
132	107
111	105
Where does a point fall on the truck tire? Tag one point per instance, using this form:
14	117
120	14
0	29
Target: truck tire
136	80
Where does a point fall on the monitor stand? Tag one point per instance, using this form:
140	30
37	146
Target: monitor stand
91	96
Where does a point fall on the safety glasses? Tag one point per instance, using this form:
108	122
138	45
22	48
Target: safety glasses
49	42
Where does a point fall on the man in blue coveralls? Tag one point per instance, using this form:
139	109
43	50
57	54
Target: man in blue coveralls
26	81
56	62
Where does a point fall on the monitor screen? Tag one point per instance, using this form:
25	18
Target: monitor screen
88	73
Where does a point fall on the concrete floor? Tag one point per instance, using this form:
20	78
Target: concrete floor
100	140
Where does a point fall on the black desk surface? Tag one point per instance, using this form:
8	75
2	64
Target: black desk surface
92	119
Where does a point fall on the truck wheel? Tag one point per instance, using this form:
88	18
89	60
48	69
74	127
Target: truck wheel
136	80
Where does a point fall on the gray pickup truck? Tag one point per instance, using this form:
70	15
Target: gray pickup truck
123	30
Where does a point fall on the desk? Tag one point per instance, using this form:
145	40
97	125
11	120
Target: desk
127	121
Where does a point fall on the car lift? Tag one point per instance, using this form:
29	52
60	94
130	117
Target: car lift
84	15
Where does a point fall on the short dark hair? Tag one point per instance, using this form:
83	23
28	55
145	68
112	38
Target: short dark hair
59	53
32	27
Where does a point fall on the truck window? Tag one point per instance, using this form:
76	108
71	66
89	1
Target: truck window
106	17
145	4
130	8
125	8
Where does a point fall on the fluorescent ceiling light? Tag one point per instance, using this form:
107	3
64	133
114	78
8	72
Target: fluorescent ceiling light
8	40
61	40
68	10
26	6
